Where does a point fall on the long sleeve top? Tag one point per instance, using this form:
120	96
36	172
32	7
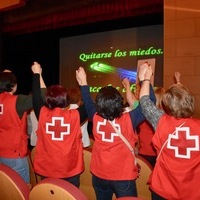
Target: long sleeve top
151	111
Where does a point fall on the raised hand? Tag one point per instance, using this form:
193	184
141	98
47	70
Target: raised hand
81	76
36	68
142	71
177	76
148	73
126	83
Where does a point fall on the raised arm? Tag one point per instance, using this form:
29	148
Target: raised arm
81	78
130	97
149	109
177	76
38	83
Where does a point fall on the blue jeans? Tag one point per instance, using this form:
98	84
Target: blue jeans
20	165
104	189
155	196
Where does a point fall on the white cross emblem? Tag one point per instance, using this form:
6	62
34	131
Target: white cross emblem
111	135
62	124
188	138
1	109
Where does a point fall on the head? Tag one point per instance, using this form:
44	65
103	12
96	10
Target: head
159	91
178	101
56	96
75	96
109	103
8	82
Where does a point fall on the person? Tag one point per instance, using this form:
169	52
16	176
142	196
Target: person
75	100
59	149
113	165
32	125
13	133
176	140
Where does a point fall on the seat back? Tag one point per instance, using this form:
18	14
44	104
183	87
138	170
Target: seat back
12	186
141	182
33	179
56	189
38	177
86	176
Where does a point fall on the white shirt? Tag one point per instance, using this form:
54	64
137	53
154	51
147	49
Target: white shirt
85	135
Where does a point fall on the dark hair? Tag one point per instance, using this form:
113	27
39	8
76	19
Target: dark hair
109	103
74	95
7	81
178	101
56	96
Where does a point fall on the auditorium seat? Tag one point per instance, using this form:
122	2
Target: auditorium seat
33	179
12	186
38	178
141	182
56	189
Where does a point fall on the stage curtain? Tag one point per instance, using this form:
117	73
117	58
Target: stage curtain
94	13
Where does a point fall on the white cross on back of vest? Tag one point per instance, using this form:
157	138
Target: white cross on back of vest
57	128
183	143
107	137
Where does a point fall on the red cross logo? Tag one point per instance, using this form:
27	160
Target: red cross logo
1	109
57	128
183	143
107	136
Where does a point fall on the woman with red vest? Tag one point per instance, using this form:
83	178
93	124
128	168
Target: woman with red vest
59	149
177	141
113	165
13	125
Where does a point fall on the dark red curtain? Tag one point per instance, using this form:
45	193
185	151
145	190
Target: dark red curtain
97	12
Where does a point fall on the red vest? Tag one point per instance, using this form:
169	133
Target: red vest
177	171
13	136
111	158
59	151
146	133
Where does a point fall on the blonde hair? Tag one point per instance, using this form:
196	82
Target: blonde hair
159	91
178	101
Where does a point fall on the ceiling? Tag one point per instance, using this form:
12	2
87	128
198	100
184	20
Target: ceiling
34	15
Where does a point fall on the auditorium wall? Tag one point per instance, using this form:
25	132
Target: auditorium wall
182	44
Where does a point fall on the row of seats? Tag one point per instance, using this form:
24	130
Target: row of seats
53	188
13	187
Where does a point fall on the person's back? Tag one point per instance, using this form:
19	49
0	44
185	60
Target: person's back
13	136
178	163
176	140
59	150
113	164
115	159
